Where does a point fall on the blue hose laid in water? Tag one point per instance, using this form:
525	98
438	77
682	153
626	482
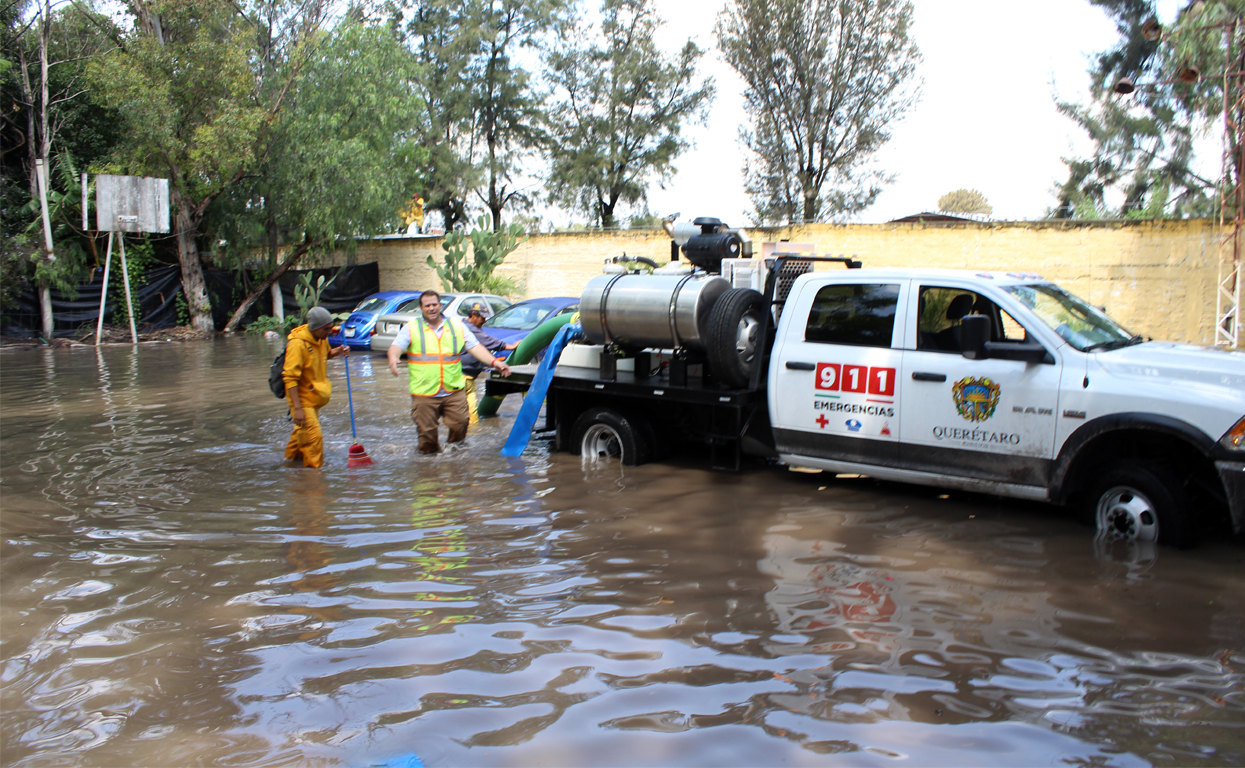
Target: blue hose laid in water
525	422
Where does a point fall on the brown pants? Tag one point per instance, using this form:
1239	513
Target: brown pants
426	411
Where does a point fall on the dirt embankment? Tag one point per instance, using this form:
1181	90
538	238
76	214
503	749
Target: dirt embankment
111	335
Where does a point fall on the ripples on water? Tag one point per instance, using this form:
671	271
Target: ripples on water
173	595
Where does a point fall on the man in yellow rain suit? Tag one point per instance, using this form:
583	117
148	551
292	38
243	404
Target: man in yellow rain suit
433	344
307	384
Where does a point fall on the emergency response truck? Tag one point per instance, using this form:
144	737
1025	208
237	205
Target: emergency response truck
998	382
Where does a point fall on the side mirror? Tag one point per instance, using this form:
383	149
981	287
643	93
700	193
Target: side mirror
974	333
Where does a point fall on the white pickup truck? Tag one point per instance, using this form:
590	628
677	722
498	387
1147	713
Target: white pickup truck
987	381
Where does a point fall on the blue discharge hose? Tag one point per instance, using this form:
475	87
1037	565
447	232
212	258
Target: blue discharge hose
521	432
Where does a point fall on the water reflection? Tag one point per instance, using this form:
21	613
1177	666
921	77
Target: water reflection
172	595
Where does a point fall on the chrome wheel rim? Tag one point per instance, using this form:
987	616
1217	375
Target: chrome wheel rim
1125	514
746	338
601	442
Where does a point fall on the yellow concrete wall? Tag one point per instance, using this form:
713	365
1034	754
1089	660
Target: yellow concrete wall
1157	278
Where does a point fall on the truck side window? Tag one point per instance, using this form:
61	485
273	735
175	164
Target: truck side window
861	315
940	311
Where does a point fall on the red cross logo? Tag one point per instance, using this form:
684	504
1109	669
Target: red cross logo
822	421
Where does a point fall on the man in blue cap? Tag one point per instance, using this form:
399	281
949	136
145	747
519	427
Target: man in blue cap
472	368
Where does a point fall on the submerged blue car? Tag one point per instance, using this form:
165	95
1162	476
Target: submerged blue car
356	332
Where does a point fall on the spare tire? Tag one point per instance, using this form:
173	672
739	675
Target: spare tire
733	338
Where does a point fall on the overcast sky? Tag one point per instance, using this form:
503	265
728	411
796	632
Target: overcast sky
987	120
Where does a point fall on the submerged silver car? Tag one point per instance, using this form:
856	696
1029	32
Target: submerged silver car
388	326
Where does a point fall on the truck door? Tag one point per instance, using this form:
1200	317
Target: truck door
833	388
987	419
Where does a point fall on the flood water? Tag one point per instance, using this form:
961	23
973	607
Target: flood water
171	594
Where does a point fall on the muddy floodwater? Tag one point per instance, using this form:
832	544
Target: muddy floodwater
172	595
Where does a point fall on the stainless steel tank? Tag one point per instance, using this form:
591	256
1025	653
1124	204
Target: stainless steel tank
662	311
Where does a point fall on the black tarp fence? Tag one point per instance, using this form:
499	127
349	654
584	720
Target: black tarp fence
158	293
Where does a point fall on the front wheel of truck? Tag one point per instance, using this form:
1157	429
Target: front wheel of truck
1140	502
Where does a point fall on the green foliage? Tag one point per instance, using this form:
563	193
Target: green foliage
139	256
308	294
14	268
265	323
1145	142
644	221
825	82
618	124
69	243
183	309
489	249
964	201
344	159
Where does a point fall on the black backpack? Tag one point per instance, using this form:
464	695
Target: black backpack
276	379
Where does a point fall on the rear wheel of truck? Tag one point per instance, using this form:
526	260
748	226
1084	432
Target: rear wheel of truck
1140	502
733	340
601	433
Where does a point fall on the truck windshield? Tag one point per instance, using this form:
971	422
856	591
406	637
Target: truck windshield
1081	325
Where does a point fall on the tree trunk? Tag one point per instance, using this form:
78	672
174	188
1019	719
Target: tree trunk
258	290
45	311
278	302
193	285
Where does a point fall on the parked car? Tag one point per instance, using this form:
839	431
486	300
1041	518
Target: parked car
515	322
388	326
356	331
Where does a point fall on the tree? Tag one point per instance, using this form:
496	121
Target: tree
964	201
1145	141
824	82
508	111
440	35
621	112
197	106
343	158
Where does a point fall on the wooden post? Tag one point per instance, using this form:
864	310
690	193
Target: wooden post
129	303
103	294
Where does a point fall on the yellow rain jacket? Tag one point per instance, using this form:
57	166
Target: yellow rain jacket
306	365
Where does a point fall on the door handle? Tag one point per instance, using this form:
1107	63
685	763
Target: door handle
801	366
923	376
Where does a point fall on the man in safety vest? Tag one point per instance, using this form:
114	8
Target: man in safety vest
433	344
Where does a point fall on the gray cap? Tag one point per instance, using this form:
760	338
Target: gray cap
318	317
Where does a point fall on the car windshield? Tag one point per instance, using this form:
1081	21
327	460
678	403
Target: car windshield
521	317
413	304
1078	323
372	306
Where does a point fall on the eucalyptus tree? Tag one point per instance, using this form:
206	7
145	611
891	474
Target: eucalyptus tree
508	108
441	36
1146	139
621	108
824	83
199	104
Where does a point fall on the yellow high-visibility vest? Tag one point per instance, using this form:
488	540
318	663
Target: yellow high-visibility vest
434	360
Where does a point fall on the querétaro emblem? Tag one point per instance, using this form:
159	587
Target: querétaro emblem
975	399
